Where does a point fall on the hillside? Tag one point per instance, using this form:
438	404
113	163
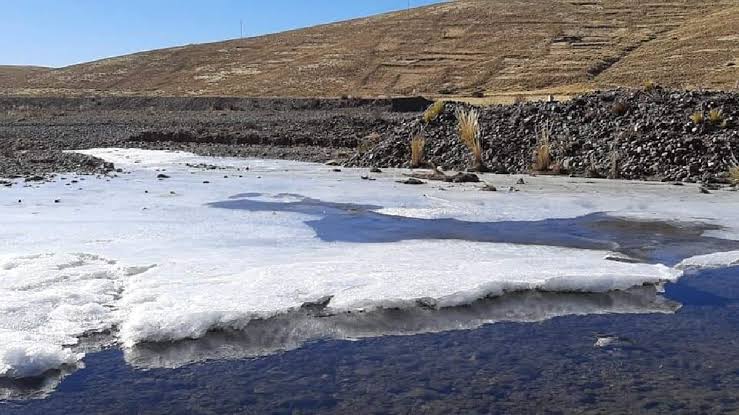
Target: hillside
455	48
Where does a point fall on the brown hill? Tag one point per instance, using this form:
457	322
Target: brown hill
456	48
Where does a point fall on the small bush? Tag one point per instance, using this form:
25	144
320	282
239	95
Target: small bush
715	116
418	142
468	128
433	111
543	150
650	86
697	118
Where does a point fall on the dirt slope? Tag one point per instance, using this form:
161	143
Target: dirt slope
455	48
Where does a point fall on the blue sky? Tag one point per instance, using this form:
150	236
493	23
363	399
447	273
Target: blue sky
63	32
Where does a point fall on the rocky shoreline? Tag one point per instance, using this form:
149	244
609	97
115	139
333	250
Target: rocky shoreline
627	134
617	134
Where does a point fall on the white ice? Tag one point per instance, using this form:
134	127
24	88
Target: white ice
151	258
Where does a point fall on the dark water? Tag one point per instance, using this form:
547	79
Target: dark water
687	362
680	354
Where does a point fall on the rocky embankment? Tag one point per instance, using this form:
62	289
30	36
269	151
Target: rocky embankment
627	134
623	133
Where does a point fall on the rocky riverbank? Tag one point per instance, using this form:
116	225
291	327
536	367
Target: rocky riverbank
629	134
620	134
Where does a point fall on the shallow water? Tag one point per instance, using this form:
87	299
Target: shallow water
651	241
687	362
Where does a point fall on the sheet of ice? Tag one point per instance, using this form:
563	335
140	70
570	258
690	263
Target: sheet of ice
49	300
161	264
715	260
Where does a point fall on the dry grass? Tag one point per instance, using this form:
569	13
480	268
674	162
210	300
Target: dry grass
468	128
734	174
614	171
369	142
715	116
697	118
543	150
418	142
433	111
650	85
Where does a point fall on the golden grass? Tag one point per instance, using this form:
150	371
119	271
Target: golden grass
697	117
715	116
734	174
650	85
418	142
433	111
468	128
543	150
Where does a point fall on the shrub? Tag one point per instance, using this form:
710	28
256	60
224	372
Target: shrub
715	116
650	86
468	128
697	118
543	150
433	111
417	144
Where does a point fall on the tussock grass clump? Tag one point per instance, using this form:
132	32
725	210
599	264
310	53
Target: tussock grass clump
614	170
418	142
368	143
715	116
543	150
433	111
468	128
697	118
650	86
734	174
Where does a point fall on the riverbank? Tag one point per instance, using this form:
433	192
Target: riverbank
627	134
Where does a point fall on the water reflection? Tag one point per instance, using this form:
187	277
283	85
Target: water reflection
290	331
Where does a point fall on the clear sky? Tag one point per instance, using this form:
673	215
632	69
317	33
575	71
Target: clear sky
63	32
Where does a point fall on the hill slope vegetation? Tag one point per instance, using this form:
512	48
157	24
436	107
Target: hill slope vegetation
457	48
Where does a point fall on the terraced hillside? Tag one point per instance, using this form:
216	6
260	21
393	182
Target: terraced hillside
456	48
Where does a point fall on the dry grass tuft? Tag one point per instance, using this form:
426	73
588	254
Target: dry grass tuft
418	142
543	150
433	111
468	128
369	142
734	174
697	118
715	116
650	86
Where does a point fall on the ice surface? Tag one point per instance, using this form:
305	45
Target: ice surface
715	260
159	263
48	301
